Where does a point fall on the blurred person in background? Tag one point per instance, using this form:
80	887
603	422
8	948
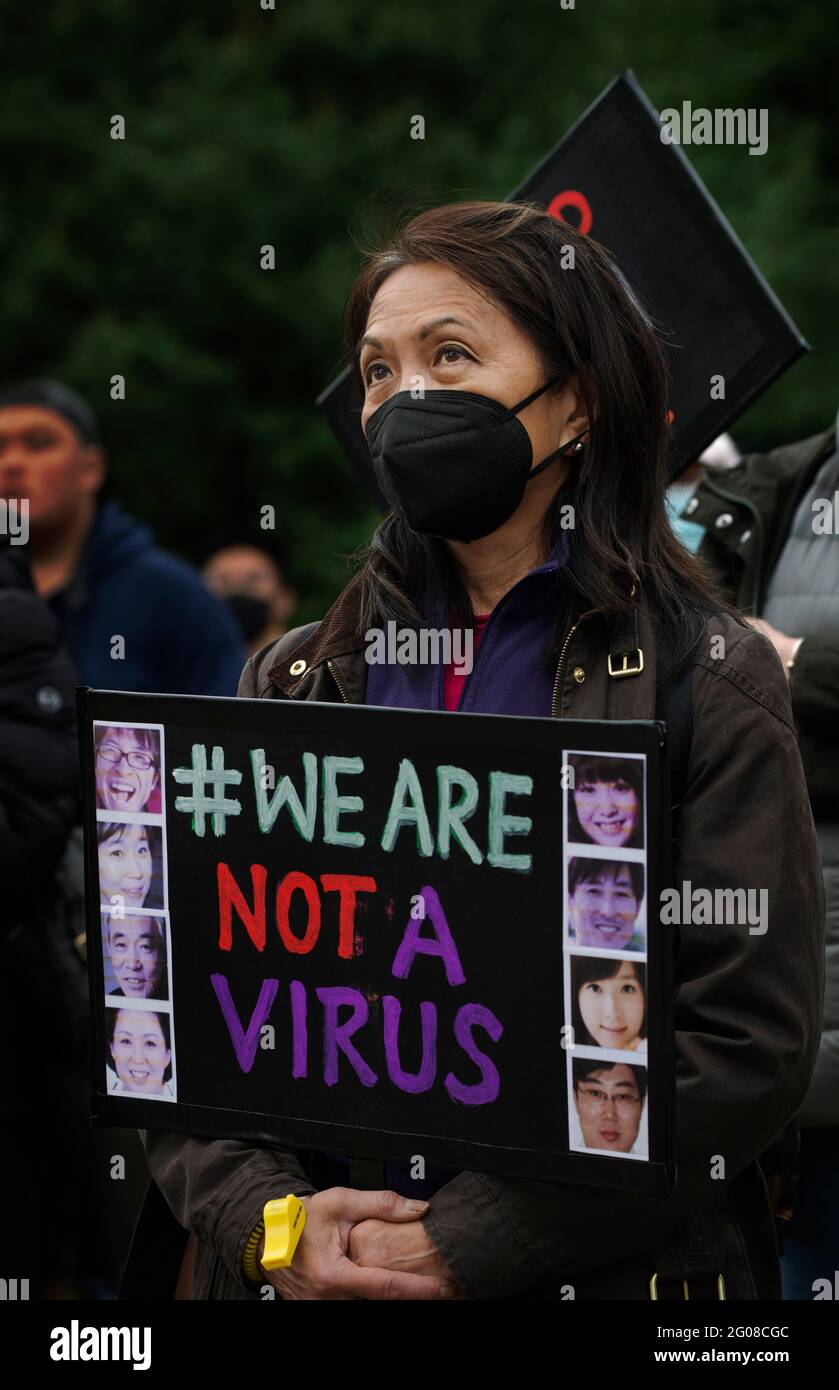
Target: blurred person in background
772	538
43	982
99	569
246	570
721	453
132	617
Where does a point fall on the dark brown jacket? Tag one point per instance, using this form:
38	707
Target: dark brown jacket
747	1008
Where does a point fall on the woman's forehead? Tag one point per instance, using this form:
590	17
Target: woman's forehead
414	294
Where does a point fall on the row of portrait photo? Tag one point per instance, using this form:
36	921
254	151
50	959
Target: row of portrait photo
604	951
136	939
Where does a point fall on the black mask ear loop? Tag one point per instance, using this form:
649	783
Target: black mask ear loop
557	453
563	448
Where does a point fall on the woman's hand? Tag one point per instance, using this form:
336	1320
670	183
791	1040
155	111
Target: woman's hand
408	1248
322	1268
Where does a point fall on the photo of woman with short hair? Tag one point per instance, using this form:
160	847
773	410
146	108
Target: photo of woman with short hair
606	804
135	948
127	768
129	864
140	1046
609	1003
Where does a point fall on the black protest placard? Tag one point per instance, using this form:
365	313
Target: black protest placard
382	933
727	335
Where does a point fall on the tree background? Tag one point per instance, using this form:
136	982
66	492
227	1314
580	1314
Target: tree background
247	126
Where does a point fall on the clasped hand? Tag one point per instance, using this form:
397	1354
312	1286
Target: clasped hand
364	1245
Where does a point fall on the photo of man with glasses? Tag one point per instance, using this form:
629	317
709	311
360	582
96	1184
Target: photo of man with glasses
610	1101
127	769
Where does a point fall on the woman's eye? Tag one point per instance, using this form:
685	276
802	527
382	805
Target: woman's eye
369	378
459	353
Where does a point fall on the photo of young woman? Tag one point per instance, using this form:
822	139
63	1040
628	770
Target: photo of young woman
129	864
127	768
135	951
140	1046
609	1003
604	897
609	1099
606	805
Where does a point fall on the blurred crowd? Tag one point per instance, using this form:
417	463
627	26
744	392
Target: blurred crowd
88	597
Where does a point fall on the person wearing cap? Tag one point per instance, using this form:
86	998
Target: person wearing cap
772	540
543	390
101	572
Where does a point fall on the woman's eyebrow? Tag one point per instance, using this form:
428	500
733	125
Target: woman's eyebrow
369	341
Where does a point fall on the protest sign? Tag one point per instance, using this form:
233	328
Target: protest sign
726	334
384	933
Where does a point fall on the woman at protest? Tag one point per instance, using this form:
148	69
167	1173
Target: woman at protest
526	480
608	1003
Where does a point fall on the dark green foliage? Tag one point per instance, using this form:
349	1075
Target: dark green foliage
247	127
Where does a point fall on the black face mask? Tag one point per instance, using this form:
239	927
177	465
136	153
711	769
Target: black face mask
454	464
250	614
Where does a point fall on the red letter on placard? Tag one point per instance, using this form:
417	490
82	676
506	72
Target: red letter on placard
347	885
230	895
292	881
571	198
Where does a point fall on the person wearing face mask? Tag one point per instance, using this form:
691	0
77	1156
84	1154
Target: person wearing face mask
504	398
247	571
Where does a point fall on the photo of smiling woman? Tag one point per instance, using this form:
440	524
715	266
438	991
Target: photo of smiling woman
604	900
130	864
609	1003
140	1047
606	805
135	956
127	769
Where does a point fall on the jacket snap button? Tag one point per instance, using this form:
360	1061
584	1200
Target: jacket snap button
725	519
579	674
297	668
746	536
691	506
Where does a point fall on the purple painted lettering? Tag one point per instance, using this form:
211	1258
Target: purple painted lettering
245	1043
336	1036
422	1080
486	1090
441	944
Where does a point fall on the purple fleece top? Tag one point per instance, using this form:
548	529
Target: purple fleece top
510	675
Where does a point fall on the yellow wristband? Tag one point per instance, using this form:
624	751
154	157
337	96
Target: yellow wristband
284	1221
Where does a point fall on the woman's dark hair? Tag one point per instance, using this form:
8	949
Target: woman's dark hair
582	1068
586	321
585	870
586	969
603	769
163	1020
